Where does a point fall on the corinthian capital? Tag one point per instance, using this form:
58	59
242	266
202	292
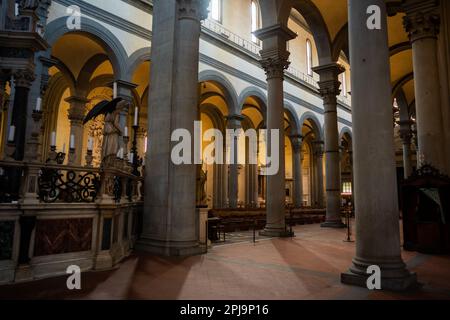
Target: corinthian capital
24	78
274	67
296	142
193	9
422	19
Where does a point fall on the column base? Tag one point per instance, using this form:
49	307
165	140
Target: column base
333	224
169	248
394	275
276	233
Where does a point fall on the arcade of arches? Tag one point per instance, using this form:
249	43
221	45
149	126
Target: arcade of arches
359	111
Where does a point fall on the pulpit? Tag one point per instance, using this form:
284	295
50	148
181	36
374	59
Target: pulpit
426	211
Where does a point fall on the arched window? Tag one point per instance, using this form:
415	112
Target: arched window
255	20
215	10
309	60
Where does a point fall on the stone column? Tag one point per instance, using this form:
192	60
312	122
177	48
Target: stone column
125	91
377	213
422	22
22	82
297	144
329	89
77	112
170	218
275	61
318	172
234	123
4	78
406	136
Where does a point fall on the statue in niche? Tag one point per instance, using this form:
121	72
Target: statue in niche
202	177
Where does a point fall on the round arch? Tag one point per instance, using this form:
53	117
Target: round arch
344	131
139	56
253	92
226	86
116	53
293	119
311	117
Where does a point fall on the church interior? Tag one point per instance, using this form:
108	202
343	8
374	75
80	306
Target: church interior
91	93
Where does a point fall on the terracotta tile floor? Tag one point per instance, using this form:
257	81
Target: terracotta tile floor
305	267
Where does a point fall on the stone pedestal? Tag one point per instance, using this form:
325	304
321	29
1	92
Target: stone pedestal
377	213
203	214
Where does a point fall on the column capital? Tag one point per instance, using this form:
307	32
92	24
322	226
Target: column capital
275	66
274	54
296	142
234	121
24	78
422	19
193	9
329	85
77	108
318	148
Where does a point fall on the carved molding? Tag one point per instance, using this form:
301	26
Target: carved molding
193	9
24	78
274	67
421	25
297	143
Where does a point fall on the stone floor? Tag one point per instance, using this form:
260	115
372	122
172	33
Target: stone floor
305	267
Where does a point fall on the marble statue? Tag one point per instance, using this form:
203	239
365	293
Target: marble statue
113	131
202	176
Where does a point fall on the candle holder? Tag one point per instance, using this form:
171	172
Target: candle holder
72	156
89	159
126	140
10	150
55	157
137	161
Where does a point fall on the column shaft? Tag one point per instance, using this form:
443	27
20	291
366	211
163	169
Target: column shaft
171	221
318	173
234	123
275	61
296	142
329	89
422	23
22	82
377	213
76	115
